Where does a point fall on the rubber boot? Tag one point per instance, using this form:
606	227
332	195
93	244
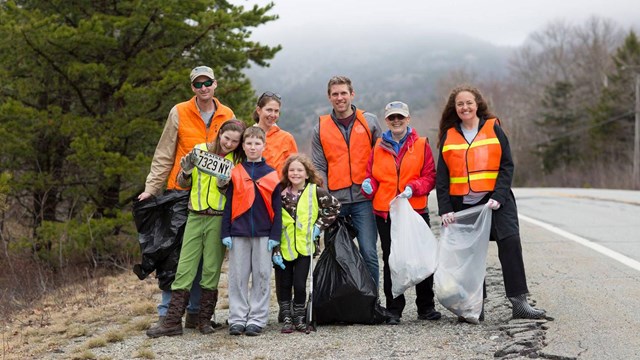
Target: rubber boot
208	302
287	320
172	324
299	321
522	309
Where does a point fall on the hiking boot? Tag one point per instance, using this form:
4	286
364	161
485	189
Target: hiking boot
191	320
253	330
172	323
522	309
236	329
394	320
160	320
208	302
430	314
287	320
299	318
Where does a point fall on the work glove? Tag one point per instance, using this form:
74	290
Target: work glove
406	193
187	163
316	232
277	259
227	242
448	218
366	186
493	205
271	244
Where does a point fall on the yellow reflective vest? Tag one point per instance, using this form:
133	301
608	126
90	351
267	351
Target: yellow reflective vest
204	188
297	231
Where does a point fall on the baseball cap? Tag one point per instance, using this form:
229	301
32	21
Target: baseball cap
202	71
396	107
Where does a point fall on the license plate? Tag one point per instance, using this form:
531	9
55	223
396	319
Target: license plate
213	164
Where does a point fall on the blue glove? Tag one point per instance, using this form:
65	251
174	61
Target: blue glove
406	193
271	244
366	186
227	242
316	231
277	259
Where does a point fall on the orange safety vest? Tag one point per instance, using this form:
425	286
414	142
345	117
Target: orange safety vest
244	191
192	131
279	146
384	168
472	167
346	163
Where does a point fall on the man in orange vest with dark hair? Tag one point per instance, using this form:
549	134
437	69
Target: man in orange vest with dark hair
342	144
189	123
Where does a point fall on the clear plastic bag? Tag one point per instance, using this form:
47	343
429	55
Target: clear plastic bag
414	248
462	259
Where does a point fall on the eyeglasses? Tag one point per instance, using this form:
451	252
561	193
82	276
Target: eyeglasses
199	84
393	117
269	94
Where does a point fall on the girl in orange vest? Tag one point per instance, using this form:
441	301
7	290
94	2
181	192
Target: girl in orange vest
251	228
475	167
401	164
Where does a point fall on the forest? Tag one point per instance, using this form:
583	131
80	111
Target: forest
86	88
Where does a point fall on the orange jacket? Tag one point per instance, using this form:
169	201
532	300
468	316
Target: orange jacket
472	167
244	191
192	131
280	144
346	163
384	168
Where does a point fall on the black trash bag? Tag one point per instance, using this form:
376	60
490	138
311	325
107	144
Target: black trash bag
343	289
160	222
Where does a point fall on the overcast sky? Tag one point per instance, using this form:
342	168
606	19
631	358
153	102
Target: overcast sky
501	22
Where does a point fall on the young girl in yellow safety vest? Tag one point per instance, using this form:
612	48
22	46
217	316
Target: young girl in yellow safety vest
307	209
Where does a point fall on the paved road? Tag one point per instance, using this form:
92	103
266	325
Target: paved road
594	298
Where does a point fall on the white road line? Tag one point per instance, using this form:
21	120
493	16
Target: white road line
582	241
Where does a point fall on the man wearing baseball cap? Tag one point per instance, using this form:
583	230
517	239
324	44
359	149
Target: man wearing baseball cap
189	123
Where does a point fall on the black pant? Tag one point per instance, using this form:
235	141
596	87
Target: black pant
424	290
511	261
294	275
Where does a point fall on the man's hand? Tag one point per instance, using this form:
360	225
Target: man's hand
448	218
493	204
366	186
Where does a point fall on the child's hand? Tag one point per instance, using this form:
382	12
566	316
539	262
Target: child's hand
277	259
187	163
227	242
316	231
271	244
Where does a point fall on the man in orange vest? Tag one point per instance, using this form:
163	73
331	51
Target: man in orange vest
342	144
189	123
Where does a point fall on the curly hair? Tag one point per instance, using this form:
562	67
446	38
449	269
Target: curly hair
303	159
450	116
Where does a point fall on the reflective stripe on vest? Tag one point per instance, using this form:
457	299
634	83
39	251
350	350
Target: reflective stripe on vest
346	163
384	166
297	233
204	188
192	131
472	167
244	191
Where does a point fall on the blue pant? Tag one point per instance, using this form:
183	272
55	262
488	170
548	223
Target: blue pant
194	297
361	214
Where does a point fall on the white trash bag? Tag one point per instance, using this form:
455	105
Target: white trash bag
462	259
414	249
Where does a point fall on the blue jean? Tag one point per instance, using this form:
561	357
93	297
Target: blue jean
194	296
361	214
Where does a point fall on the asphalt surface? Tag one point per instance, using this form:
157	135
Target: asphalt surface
593	297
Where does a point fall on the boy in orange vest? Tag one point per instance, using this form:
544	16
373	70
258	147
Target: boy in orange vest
251	228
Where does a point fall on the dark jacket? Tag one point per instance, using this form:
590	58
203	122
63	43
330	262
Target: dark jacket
255	222
505	219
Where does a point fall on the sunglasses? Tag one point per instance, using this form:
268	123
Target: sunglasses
270	95
200	84
393	117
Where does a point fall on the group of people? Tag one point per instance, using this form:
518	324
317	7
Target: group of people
271	209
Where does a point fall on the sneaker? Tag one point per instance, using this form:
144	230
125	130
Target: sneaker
253	330
236	329
393	321
430	314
